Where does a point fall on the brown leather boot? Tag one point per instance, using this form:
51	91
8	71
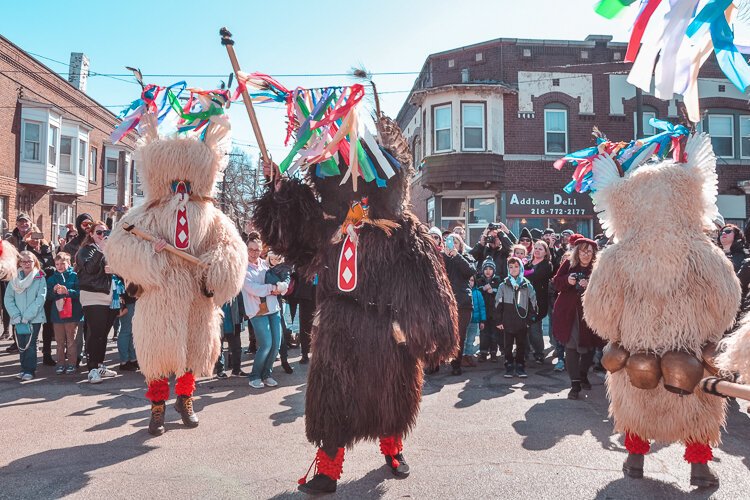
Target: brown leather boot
156	425
184	406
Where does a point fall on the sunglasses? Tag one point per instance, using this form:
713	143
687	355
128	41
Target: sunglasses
727	231
525	240
101	232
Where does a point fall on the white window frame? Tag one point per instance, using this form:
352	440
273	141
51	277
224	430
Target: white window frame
745	118
69	169
83	155
546	146
107	184
646	114
483	108
93	162
62	215
435	129
731	136
52	144
38	143
462	220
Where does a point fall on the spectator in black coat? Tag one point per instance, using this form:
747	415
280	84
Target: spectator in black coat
488	282
538	271
496	243
459	268
732	241
83	223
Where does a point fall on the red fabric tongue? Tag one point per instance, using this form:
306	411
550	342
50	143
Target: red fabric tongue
181	188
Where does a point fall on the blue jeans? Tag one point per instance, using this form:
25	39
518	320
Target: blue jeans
125	347
268	337
27	349
470	347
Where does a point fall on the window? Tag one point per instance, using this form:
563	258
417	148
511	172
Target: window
431	211
453	211
584	54
137	187
62	215
66	149
32	140
472	120
442	121
555	131
745	136
721	128
110	175
451	63
648	129
526	52
82	146
617	56
481	211
478	57
722	88
555	82
93	164
52	148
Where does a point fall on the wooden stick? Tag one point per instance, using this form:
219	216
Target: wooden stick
169	248
226	41
719	387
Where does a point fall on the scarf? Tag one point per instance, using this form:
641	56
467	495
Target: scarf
516	282
20	285
118	288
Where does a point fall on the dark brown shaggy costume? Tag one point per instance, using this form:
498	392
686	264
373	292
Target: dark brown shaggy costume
361	383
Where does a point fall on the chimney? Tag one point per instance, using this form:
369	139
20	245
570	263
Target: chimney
79	70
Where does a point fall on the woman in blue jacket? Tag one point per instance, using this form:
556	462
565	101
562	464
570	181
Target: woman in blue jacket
24	301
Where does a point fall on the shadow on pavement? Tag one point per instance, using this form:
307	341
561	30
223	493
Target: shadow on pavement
368	486
626	488
295	403
52	473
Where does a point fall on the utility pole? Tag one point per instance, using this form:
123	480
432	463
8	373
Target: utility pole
638	113
121	185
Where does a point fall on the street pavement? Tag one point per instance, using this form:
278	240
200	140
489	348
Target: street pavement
479	435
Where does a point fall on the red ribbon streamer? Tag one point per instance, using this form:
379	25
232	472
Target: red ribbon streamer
638	29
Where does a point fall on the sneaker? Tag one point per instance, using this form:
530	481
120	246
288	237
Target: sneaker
510	371
70	370
539	359
19	376
560	366
94	376
520	372
106	372
222	375
127	367
482	358
26	377
270	382
12	348
60	369
240	374
493	358
257	384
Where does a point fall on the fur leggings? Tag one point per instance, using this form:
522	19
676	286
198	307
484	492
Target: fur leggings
158	390
695	453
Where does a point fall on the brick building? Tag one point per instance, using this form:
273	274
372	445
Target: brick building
486	123
56	160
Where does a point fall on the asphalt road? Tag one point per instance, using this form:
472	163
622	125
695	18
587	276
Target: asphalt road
479	435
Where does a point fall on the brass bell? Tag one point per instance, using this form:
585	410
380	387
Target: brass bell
708	355
644	370
682	372
614	357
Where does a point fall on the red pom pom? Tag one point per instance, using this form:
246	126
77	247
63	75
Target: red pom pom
698	453
635	445
302	480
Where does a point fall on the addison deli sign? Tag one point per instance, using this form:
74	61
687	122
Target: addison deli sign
525	204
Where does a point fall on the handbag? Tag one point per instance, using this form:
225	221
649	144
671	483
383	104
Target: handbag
23	329
65	307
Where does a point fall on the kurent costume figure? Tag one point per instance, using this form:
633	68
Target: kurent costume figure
661	295
385	306
176	328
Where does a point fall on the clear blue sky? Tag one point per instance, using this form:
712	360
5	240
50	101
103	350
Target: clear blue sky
281	38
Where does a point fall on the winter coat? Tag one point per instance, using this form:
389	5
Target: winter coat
90	264
69	279
459	269
74	245
479	311
17	240
45	257
489	297
515	308
737	255
569	306
233	315
539	276
499	255
27	307
255	287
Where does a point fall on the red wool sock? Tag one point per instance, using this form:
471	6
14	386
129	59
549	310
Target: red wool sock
635	445
698	453
158	390
185	385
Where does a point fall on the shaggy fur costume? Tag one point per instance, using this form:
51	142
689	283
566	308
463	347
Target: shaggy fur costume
735	355
176	328
361	383
664	285
8	261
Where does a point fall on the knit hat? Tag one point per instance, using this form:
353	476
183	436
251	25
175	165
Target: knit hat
525	233
488	262
434	231
568	232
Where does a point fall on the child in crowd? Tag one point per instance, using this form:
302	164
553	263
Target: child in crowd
520	252
478	317
66	313
488	282
515	310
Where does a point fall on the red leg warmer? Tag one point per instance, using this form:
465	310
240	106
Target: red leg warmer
325	465
391	446
698	453
158	390
635	445
185	385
